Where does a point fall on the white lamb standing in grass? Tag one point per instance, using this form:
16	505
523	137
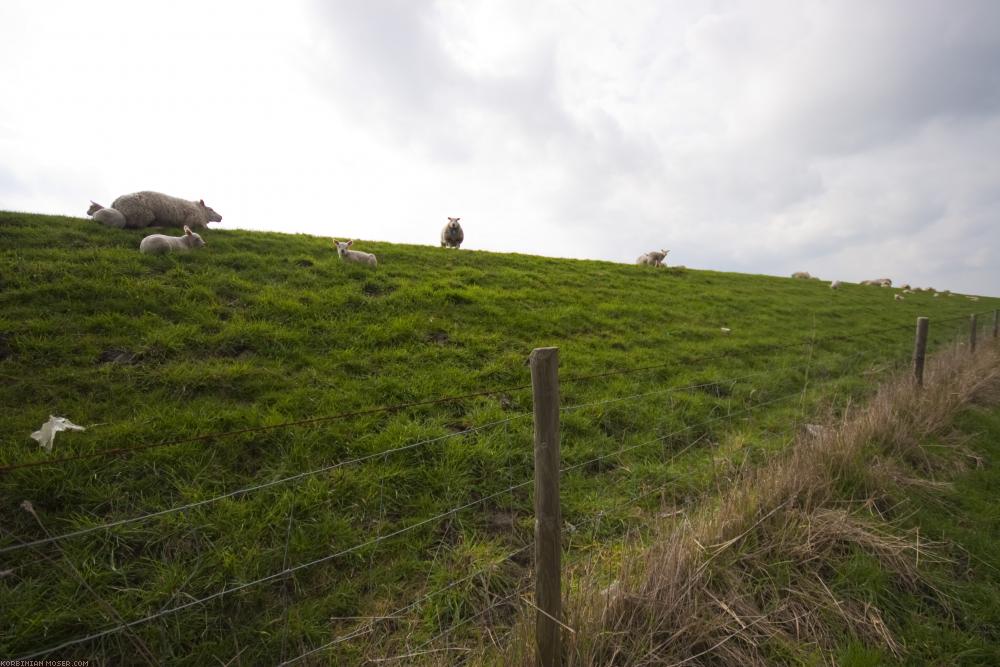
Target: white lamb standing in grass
345	253
452	234
835	284
158	244
155	209
653	258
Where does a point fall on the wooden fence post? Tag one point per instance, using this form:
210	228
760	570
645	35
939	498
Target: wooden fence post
996	322
544	363
920	350
972	333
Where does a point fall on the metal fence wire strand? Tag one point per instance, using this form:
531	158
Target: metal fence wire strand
256	487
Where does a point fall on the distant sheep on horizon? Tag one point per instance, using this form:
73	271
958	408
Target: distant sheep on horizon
652	258
802	275
153	209
452	234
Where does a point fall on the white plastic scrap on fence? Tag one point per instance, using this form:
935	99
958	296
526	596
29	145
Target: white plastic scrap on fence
47	433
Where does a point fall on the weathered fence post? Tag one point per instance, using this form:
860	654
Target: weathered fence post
920	350
972	333
996	322
544	363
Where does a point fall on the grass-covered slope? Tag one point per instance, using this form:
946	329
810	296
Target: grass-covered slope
260	329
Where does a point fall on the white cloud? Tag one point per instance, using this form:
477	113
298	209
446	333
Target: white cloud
844	139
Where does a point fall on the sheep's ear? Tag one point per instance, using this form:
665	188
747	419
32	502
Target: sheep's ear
350	243
187	230
201	201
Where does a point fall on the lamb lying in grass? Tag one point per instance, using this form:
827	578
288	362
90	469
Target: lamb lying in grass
106	216
154	209
354	255
653	258
158	244
835	284
802	275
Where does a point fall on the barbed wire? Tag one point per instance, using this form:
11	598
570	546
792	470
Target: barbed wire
290	570
256	487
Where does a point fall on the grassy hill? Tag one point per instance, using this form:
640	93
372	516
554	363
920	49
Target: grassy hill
262	329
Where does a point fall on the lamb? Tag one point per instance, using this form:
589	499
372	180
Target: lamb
804	275
146	209
904	286
452	234
885	282
835	284
354	255
157	244
653	258
898	297
106	216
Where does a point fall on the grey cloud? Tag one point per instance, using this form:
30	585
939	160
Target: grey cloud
756	137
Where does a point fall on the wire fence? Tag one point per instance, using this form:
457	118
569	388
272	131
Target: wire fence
640	457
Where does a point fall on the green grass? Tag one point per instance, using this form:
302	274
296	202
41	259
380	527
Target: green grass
964	519
262	328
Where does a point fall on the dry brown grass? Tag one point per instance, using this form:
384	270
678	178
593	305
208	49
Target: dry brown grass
746	580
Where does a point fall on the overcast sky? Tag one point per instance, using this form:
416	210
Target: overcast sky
848	138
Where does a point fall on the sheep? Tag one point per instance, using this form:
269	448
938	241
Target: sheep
156	244
904	286
452	234
803	275
898	297
653	258
146	209
106	216
835	284
907	291
354	255
870	282
972	298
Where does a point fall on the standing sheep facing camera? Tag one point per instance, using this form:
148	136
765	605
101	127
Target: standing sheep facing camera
155	209
653	258
452	234
158	244
345	253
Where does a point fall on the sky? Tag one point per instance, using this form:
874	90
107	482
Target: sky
847	138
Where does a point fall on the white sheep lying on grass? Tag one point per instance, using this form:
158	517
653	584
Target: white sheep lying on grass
801	275
344	252
653	258
835	284
106	216
156	244
155	209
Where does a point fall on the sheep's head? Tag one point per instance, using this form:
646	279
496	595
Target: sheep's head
453	223
193	240
210	214
94	208
342	246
